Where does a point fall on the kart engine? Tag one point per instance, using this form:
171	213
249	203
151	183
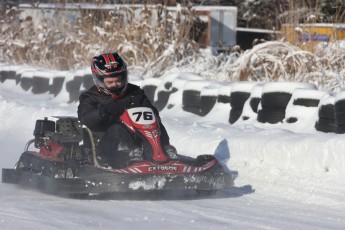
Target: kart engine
60	138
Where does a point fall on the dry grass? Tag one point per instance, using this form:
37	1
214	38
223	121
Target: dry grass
140	37
154	49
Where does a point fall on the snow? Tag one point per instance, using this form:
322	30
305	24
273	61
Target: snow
306	115
287	87
243	86
225	89
328	99
339	96
196	85
287	179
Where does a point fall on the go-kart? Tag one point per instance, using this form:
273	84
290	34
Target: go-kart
65	161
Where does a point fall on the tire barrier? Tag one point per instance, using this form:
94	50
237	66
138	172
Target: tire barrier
191	100
291	104
326	119
275	98
240	93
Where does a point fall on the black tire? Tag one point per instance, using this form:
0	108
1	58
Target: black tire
11	74
223	99
26	83
235	114
326	125
18	78
73	88
87	81
275	99
327	111
7	74
340	118
191	98
254	103
341	129
192	109
237	99
339	106
307	102
3	76
40	85
191	101
56	87
271	115
207	103
339	112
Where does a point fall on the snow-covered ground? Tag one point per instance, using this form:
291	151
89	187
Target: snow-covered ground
286	180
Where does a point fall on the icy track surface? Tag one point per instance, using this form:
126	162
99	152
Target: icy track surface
285	180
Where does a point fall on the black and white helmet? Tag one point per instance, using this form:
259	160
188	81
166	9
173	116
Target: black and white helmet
106	66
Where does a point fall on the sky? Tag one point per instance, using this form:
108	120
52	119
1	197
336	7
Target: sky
288	177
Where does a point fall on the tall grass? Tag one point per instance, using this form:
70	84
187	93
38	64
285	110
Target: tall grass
144	37
156	41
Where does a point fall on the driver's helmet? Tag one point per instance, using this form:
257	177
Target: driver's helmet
109	65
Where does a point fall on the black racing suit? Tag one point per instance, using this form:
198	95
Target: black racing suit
101	113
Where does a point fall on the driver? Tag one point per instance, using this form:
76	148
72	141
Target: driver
101	106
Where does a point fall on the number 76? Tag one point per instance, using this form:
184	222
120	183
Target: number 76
147	116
